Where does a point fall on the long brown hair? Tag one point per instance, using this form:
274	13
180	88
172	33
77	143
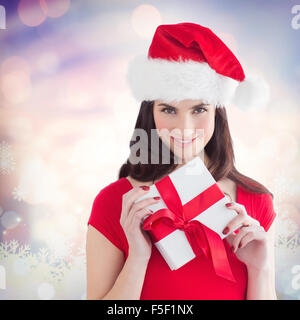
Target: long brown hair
219	150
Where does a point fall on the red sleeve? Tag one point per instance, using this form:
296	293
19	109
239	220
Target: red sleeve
266	213
106	218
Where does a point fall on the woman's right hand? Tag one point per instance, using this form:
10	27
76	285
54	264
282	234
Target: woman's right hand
132	216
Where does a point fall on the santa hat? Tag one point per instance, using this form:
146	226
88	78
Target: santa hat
188	61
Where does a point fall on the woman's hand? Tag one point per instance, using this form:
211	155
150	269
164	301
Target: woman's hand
250	243
132	216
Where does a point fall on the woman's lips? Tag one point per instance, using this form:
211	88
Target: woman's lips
184	142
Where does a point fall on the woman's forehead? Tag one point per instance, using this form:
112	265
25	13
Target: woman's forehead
188	103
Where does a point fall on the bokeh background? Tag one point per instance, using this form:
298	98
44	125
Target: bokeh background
67	115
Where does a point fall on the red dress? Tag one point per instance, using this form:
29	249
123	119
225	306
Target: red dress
196	280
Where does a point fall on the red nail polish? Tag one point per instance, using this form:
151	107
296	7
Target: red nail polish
240	245
156	198
145	187
225	231
228	204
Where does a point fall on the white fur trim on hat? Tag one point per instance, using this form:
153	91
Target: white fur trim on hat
161	79
254	91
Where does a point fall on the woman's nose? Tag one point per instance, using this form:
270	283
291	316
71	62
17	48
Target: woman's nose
185	126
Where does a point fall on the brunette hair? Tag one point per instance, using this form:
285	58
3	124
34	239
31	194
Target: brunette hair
219	149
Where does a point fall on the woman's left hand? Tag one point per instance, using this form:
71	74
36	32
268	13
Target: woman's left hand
250	243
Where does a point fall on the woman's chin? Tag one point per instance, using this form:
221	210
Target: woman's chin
184	159
186	154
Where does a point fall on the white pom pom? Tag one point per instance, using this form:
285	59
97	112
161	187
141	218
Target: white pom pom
253	92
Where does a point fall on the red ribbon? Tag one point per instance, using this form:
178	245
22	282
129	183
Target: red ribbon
202	239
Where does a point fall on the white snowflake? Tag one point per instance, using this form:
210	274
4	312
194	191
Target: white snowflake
52	267
19	194
286	227
7	161
65	277
288	242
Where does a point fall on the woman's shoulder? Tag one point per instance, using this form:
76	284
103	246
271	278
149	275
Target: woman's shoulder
254	196
106	211
259	205
114	189
109	199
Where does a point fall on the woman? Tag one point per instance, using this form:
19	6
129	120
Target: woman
122	262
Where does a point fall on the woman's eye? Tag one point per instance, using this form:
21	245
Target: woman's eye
167	109
172	111
200	108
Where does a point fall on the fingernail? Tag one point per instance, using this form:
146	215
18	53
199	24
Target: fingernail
225	231
145	187
228	204
240	245
156	198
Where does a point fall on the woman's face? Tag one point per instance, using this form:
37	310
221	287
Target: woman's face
190	120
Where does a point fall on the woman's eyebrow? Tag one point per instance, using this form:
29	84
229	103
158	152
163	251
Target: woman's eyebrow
197	105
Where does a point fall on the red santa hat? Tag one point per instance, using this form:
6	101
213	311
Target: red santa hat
188	61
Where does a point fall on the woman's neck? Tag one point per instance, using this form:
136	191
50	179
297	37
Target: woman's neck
137	183
204	157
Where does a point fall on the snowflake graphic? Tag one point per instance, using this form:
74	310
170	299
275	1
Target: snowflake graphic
287	227
19	194
7	162
288	242
54	267
41	274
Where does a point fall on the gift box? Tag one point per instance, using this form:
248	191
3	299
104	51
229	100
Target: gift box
190	218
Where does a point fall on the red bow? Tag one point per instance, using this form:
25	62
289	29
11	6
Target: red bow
202	239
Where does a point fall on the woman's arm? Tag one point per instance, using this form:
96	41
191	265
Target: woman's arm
129	283
261	282
108	277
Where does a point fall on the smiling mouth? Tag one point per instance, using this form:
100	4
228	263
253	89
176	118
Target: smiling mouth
184	142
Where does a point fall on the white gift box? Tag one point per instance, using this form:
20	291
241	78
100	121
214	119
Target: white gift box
190	180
